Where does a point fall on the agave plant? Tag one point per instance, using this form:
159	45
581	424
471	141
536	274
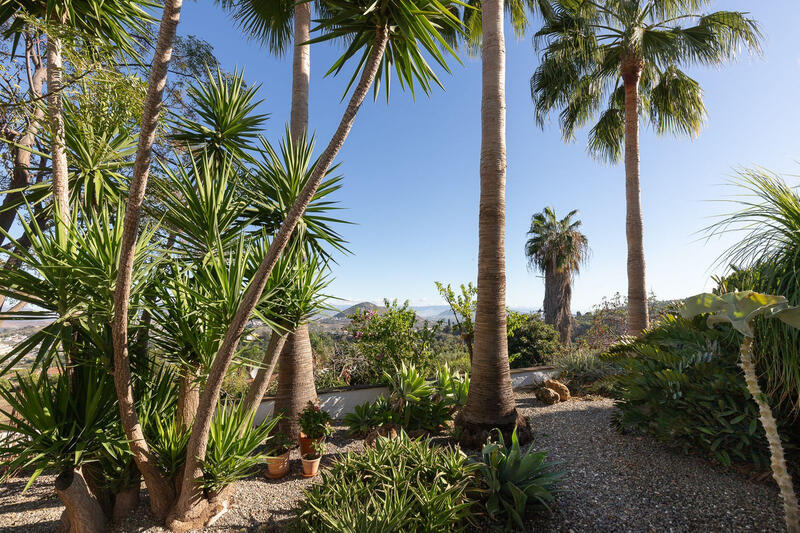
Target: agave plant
516	479
740	309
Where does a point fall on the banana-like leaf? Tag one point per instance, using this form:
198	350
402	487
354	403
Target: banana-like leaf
740	308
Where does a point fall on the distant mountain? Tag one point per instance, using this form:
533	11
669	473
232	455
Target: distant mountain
363	307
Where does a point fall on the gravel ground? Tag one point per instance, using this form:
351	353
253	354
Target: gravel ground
614	483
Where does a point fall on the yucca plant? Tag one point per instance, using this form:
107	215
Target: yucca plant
516	480
232	444
360	421
740	309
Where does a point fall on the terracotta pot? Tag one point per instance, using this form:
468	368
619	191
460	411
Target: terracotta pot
307	444
311	466
278	466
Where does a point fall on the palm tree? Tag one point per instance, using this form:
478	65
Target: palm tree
630	53
490	403
275	24
400	29
557	249
519	12
116	22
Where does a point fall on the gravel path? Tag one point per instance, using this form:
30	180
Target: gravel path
614	483
618	482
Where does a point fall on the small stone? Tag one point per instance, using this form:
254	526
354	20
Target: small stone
560	388
547	396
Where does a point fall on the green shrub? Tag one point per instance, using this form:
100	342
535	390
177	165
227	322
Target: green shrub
414	403
680	383
531	342
517	481
400	485
391	338
236	383
585	372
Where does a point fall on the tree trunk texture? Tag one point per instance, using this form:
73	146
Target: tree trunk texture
21	176
263	377
563	319
55	109
301	70
188	397
491	403
190	503
295	381
638	317
160	489
83	513
550	304
778	462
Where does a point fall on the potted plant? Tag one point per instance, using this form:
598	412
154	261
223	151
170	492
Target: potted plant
311	459
278	456
315	425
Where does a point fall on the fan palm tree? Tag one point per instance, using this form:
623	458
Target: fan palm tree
557	248
519	13
490	403
116	22
621	60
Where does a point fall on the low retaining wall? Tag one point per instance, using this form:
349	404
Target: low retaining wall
340	402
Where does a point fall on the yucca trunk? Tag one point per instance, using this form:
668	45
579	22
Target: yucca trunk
189	510
301	70
188	396
777	460
295	381
58	154
490	403
82	512
638	318
259	386
162	494
21	175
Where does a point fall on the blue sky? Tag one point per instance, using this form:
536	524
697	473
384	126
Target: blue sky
411	167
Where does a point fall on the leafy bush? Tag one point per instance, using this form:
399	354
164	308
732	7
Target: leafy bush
400	485
586	372
414	403
235	384
680	383
389	339
314	422
517	481
531	342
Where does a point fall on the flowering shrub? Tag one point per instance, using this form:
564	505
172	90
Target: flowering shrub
314	422
390	339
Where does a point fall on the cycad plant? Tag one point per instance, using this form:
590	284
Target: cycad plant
621	61
557	248
740	309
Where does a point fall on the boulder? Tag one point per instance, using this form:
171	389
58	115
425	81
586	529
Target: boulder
560	388
387	431
547	396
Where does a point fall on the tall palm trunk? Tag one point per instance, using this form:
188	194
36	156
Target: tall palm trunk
301	70
190	507
160	489
490	403
296	377
550	303
778	462
638	318
55	110
295	381
257	389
